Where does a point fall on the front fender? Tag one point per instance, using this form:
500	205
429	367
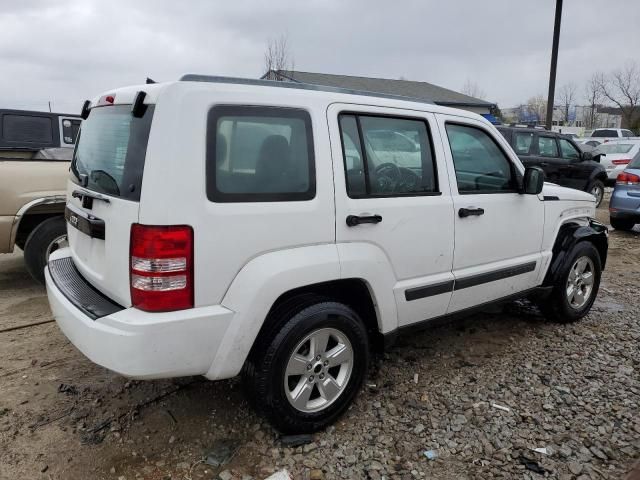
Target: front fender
598	174
568	236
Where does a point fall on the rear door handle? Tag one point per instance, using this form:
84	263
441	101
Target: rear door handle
354	220
544	164
469	211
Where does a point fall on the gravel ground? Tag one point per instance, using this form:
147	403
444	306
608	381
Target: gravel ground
479	394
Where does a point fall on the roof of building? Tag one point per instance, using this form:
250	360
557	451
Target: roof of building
194	77
406	88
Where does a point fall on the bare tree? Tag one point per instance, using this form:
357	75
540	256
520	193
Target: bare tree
538	106
622	88
567	96
472	89
277	56
593	95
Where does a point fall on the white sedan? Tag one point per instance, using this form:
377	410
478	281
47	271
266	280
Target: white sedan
617	155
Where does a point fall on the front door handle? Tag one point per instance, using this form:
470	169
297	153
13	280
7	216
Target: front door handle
354	220
469	211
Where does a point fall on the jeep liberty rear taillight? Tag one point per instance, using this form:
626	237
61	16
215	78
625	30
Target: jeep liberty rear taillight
161	267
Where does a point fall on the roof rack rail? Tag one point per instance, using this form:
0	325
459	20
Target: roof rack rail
191	77
521	125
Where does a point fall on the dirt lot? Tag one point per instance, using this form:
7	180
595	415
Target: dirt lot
574	389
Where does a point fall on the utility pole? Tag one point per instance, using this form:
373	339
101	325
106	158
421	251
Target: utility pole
49	106
554	63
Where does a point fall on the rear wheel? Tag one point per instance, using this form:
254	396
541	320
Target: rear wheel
597	190
43	240
308	368
576	289
622	224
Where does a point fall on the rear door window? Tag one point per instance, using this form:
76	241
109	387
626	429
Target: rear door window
522	143
547	147
110	152
259	154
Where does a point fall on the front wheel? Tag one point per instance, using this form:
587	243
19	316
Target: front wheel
597	190
305	373
576	289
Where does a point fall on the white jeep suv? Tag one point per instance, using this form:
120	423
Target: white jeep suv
286	231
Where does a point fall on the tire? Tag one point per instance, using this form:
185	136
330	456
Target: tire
271	390
596	188
622	224
557	306
40	244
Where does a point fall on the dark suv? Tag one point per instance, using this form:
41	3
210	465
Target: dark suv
563	162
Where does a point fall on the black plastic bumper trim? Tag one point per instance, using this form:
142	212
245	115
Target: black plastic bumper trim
78	291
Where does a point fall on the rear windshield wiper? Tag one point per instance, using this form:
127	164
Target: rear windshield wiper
87	198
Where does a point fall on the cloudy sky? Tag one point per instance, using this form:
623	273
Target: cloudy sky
69	50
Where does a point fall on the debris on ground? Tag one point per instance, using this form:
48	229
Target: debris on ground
542	450
222	452
293	441
532	465
500	407
431	454
280	475
68	389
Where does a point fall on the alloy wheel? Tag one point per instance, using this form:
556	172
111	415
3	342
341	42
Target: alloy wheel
318	370
580	282
597	192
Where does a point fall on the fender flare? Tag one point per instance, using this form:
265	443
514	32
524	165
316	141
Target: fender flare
22	211
597	174
267	277
263	279
568	236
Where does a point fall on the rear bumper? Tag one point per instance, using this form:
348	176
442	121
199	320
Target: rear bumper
625	205
139	344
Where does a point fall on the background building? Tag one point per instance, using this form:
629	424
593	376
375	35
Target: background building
407	88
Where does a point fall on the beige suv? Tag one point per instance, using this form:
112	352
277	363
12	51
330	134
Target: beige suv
32	200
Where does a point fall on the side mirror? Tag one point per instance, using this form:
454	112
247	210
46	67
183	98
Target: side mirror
533	180
586	156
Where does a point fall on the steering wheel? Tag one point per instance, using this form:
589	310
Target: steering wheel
387	177
409	180
390	178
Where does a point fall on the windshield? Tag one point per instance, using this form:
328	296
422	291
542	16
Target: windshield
110	152
615	147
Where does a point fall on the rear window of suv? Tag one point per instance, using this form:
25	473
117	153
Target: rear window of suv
259	154
110	151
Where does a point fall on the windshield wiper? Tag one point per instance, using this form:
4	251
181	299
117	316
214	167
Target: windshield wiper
81	194
111	187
